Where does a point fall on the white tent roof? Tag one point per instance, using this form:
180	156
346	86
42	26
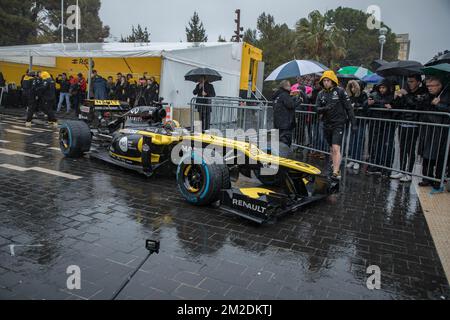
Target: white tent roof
103	50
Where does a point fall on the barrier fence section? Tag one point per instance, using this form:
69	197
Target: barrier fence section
1	95
232	113
385	142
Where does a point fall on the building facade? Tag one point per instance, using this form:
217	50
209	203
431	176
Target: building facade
405	45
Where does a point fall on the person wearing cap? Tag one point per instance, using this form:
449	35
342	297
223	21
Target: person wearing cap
27	89
46	92
336	109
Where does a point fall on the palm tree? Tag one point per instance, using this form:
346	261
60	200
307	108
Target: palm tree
318	40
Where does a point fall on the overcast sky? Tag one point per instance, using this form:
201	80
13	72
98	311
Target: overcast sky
427	22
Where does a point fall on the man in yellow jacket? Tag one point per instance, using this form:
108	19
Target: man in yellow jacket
336	109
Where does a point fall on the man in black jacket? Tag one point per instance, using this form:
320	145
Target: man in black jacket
433	140
44	87
381	133
152	91
64	92
414	98
336	109
27	90
302	90
284	112
203	91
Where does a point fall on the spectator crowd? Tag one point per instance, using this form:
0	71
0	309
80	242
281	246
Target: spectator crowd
71	90
376	117
416	116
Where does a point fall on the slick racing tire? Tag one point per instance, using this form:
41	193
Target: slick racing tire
74	138
273	180
200	182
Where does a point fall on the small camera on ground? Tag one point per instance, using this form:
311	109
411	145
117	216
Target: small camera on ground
152	245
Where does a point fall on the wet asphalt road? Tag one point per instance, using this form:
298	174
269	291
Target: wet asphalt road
97	217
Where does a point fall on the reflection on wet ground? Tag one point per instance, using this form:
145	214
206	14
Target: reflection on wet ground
100	223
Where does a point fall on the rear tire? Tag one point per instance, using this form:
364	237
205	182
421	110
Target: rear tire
74	138
200	182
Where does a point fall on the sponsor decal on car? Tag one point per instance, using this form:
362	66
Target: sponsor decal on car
123	144
85	109
248	205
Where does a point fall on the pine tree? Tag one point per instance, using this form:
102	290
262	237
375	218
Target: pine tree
137	35
221	39
195	32
250	36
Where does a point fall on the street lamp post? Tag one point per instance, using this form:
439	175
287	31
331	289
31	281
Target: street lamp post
382	40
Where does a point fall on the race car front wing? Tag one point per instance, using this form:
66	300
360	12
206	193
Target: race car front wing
263	205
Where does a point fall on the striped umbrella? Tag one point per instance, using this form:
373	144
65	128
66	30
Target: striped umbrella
296	68
358	72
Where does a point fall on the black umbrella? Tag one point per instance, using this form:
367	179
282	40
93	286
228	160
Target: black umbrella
377	63
400	68
439	59
195	75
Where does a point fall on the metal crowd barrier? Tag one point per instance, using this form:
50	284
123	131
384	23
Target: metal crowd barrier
415	148
2	89
233	113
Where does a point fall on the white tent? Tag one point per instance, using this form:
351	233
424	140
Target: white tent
177	60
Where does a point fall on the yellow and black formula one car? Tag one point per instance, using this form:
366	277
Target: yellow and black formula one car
209	169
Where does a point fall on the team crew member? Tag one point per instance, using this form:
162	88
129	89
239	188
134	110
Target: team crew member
336	109
44	87
27	87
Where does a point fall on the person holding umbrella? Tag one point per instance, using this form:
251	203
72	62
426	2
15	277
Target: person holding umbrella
336	108
204	91
412	98
284	112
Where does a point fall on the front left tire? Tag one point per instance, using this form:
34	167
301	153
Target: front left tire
74	138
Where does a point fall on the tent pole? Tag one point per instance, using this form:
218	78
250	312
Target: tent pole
89	79
77	24
30	67
62	21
